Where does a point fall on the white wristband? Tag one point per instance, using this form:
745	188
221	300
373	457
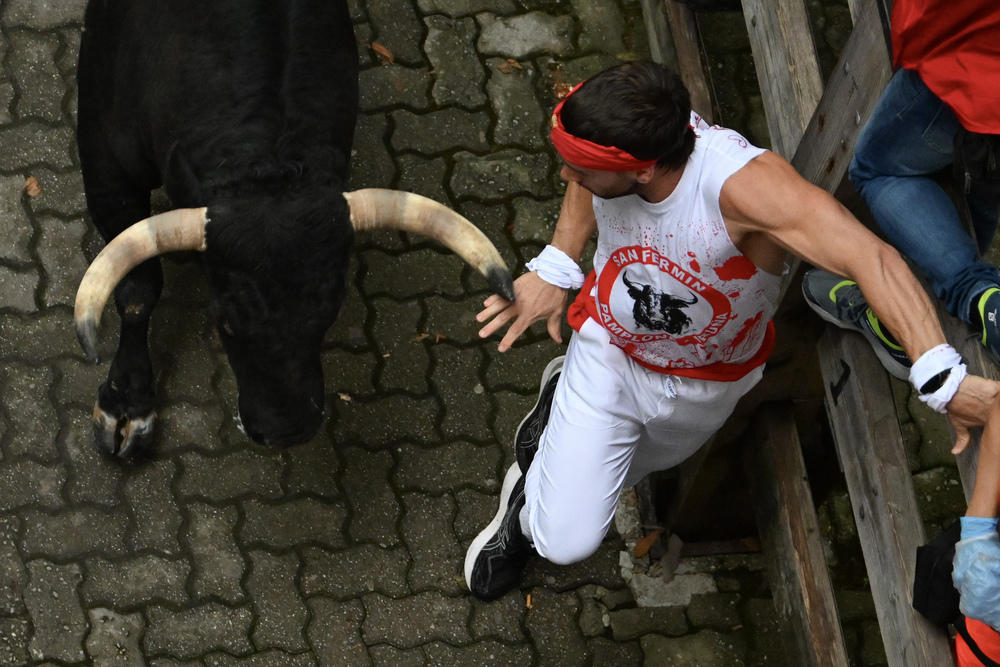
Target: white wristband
556	268
939	399
933	362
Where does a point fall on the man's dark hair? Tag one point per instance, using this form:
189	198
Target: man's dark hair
640	107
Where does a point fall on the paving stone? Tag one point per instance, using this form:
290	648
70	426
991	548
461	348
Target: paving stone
707	648
292	522
454	321
334	632
13	576
512	96
415	620
57	620
19	289
312	468
220	478
281	613
440	131
714	611
60	249
193	632
33	143
32	60
447	467
501	175
459	77
456	8
397	327
390	656
42	14
382	422
25	482
377	169
423	176
183	356
41	338
436	553
607	652
13	642
629	624
411	274
354	571
156	515
596	569
397	29
182	425
535	220
653	592
492	219
525	34
218	564
765	633
374	508
93	475
6	101
602	26
385	86
73	532
475	511
554	630
132	583
484	653
349	373
501	619
466	404
15	228
261	659
114	639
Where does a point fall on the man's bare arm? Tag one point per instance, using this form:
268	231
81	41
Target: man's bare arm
537	299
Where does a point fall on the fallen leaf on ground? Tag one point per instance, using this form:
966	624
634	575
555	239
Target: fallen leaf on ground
31	187
509	66
345	397
420	337
384	52
646	543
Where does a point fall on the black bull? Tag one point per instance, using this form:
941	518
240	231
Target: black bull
244	111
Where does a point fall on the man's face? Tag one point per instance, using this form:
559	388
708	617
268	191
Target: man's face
604	184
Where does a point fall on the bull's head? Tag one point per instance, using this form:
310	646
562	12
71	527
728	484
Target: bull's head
278	288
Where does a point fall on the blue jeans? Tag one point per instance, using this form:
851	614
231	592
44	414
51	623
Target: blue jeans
907	140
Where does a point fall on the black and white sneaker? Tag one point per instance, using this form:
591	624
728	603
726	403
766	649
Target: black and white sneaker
529	431
498	555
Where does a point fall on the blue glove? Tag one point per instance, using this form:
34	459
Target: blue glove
976	570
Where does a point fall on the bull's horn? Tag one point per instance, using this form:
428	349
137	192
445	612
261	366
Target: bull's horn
377	208
182	229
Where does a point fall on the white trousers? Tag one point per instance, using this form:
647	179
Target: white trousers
612	422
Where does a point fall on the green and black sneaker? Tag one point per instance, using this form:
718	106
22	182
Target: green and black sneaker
840	301
989	315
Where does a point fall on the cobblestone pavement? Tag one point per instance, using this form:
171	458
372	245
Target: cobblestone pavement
347	550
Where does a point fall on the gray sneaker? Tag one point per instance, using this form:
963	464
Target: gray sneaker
840	301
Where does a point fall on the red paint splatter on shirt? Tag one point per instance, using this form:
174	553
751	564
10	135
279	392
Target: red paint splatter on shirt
736	268
748	327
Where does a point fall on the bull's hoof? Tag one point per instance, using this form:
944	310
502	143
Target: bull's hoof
122	437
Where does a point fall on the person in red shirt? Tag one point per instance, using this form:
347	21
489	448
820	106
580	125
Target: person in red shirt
948	52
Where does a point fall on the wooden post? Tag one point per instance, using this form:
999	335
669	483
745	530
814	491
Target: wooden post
787	68
866	430
789	532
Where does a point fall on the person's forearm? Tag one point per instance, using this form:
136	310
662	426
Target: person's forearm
577	223
986	490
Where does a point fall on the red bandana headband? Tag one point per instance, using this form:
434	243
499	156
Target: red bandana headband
582	153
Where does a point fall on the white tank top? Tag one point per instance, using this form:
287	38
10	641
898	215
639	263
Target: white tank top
671	288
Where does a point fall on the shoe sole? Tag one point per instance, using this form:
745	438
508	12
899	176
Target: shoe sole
551	369
893	367
483	538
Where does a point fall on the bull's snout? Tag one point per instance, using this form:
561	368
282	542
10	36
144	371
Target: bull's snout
279	427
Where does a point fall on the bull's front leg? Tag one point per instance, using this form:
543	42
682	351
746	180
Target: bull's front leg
125	416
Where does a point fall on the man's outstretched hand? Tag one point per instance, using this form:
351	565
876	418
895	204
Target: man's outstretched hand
536	300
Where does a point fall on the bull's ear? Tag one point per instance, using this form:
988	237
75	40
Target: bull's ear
182	185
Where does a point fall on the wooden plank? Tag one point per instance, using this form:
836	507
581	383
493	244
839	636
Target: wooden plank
659	34
866	430
789	531
851	93
690	66
787	68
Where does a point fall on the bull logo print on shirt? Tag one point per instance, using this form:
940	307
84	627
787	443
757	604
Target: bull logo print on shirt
644	296
659	311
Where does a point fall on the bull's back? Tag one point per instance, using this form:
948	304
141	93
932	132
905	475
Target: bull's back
226	81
